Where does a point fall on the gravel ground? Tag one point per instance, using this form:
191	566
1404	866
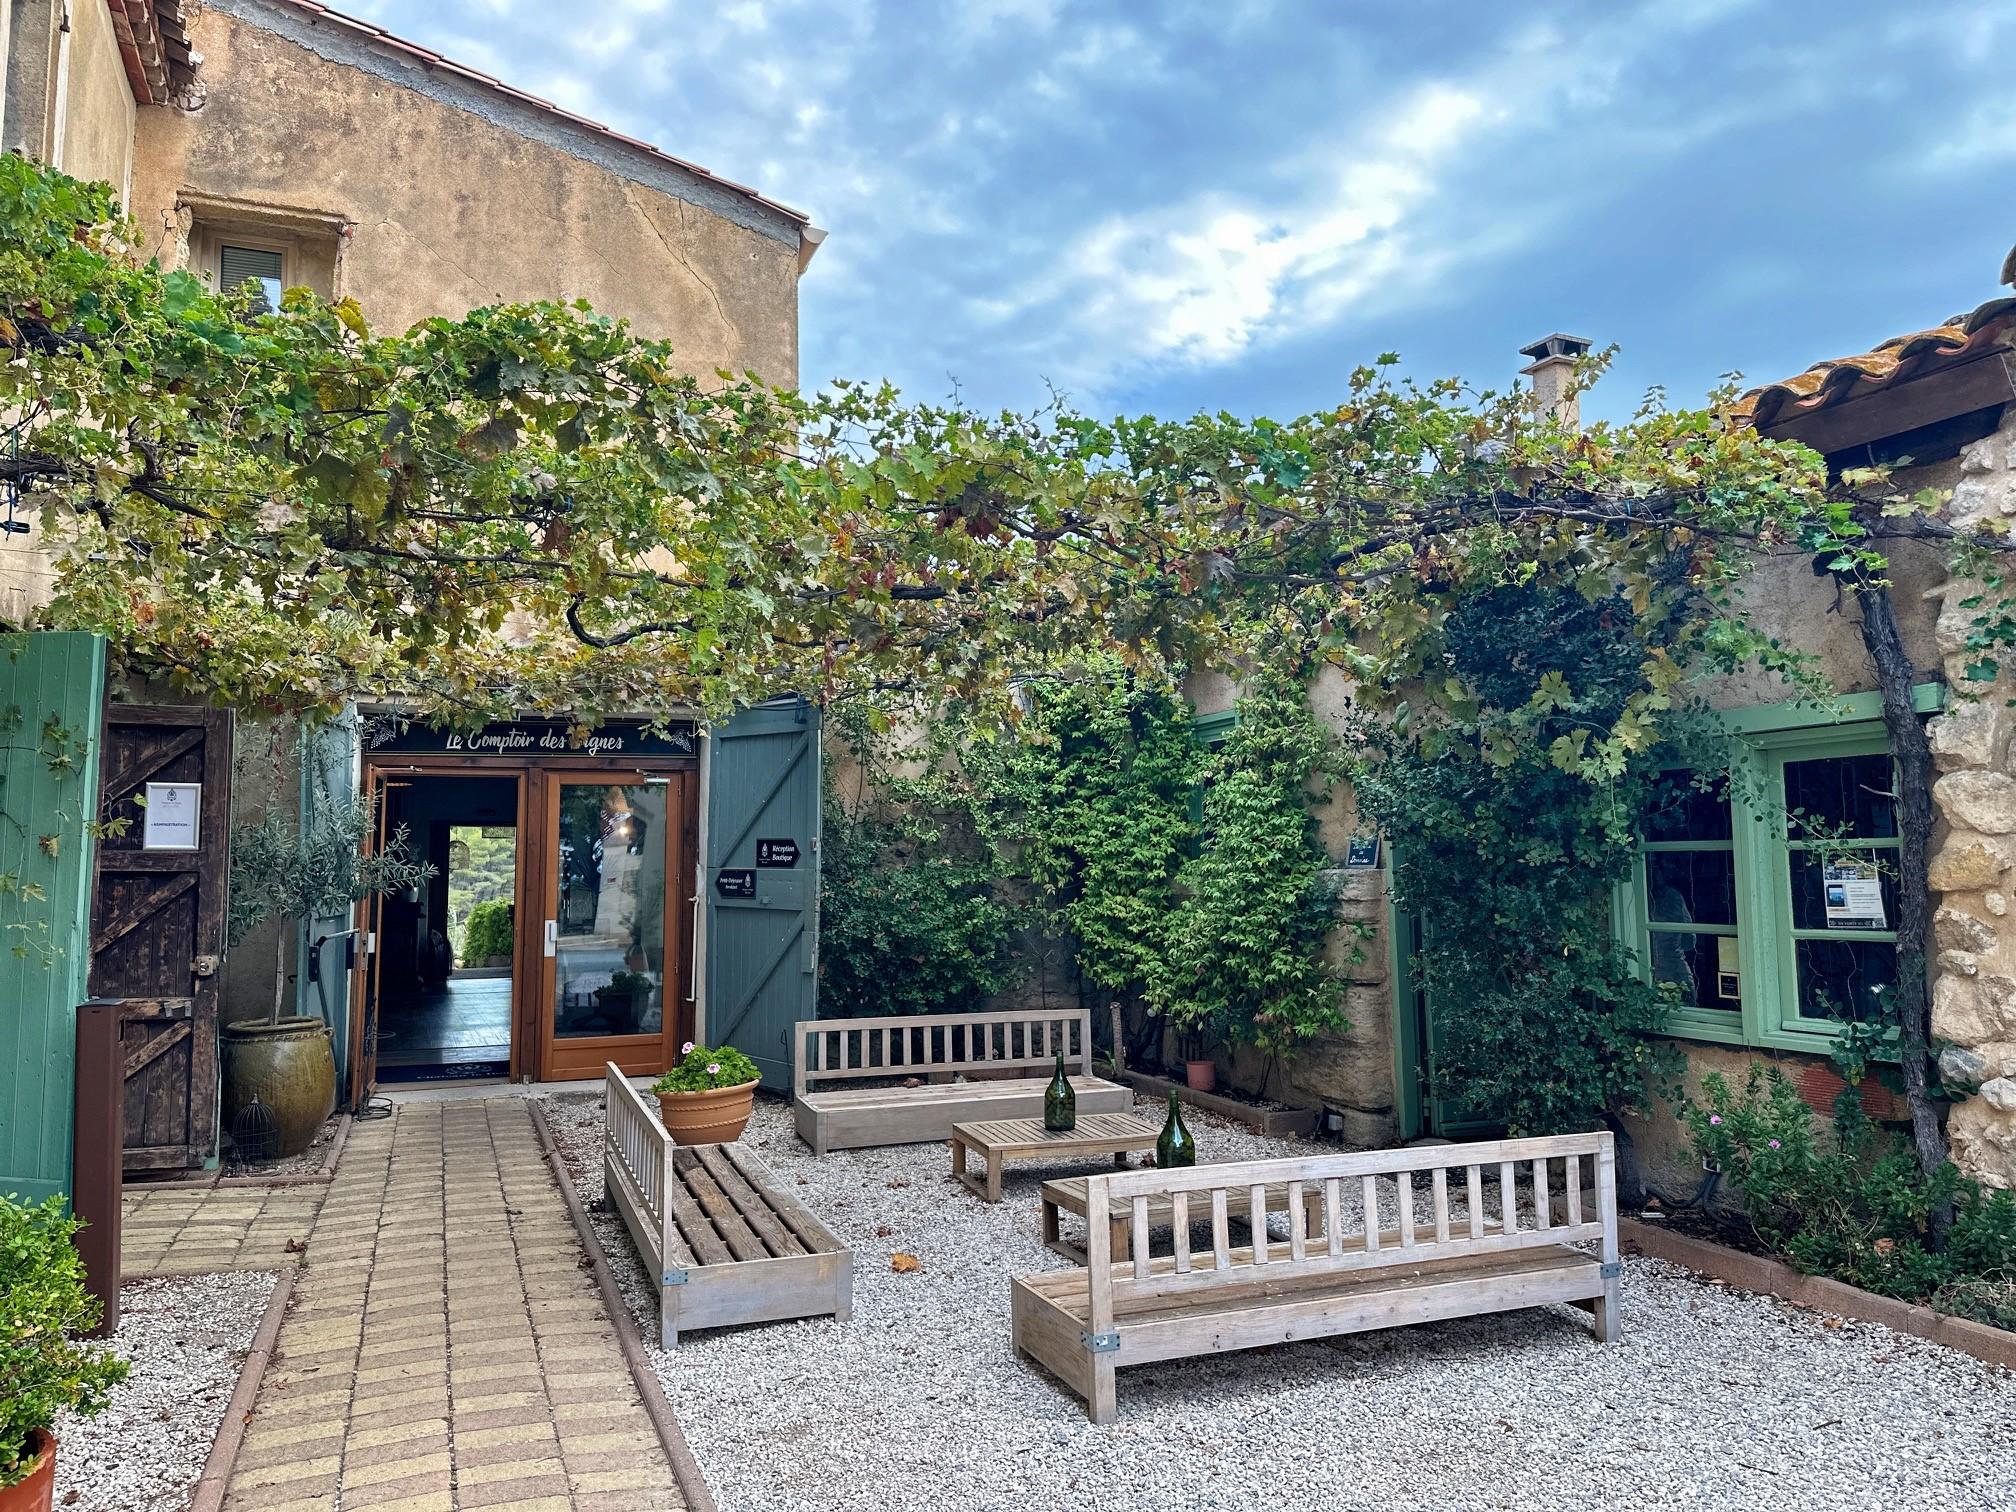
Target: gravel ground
187	1337
1714	1399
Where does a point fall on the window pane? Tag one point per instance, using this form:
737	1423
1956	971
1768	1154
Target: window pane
1809	902
1703	967
1842	795
1681	811
1840	979
238	266
1690	887
610	966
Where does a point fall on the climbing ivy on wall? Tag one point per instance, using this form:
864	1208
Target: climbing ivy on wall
1243	960
1508	832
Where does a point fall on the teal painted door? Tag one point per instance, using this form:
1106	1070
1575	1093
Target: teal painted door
52	697
329	758
761	876
1417	1040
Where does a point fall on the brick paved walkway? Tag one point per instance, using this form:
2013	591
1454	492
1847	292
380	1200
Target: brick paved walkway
182	1232
446	1349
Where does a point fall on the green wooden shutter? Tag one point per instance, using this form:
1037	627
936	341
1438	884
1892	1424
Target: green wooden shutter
329	759
59	677
762	919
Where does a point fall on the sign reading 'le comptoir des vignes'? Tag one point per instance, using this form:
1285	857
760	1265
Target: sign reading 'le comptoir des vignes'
534	737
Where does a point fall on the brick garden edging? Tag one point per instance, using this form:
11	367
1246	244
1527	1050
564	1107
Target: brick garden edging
321	1176
650	1390
208	1495
1755	1273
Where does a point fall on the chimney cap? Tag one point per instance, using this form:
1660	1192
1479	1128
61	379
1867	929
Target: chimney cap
1549	348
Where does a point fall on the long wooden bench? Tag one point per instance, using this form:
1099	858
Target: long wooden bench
724	1242
1386	1263
961	1068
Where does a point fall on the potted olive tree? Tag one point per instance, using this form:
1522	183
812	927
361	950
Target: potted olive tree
45	1369
283	869
707	1098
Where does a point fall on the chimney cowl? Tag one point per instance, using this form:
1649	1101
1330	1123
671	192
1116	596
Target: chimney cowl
1555	348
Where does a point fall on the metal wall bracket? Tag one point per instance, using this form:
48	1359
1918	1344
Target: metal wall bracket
1100	1343
673	1278
1610	1270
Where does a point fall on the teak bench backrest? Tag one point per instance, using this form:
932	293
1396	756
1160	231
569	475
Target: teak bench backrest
910	1044
1385	1185
637	1162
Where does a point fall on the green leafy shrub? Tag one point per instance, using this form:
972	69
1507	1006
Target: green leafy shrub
1088	803
910	919
702	1070
1510	817
1850	1201
488	932
44	1368
1243	956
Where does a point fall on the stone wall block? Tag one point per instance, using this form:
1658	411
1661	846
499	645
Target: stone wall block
1966	863
1955	929
1984	801
2000	1094
1966	735
1983	1139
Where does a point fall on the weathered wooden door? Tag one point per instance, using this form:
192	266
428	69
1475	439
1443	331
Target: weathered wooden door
762	878
157	920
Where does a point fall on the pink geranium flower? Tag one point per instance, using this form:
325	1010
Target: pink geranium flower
687	1048
713	1068
1774	1144
1714	1118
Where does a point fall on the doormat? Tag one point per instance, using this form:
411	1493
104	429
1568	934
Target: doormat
467	1071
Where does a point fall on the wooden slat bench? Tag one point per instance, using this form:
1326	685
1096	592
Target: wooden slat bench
932	1050
1345	1275
1066	1194
725	1242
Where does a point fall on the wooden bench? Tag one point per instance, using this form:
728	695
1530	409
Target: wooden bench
1464	1256
1007	1059
1066	1194
724	1242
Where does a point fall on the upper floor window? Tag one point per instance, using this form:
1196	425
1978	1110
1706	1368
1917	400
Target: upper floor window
263	267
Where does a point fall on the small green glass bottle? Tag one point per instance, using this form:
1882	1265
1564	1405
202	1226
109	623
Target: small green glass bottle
1060	1102
1175	1147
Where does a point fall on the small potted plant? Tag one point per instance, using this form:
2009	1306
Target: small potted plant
707	1098
47	1369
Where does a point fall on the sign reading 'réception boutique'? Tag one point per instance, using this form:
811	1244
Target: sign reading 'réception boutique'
533	737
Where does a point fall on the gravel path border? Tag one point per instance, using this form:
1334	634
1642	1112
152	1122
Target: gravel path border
1714	1398
187	1338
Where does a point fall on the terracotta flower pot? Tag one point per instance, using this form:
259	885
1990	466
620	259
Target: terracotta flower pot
717	1116
1202	1075
38	1491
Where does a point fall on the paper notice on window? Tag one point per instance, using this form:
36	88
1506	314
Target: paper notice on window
1854	895
173	814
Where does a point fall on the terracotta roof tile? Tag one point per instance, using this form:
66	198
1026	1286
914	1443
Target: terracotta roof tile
1900	358
431	59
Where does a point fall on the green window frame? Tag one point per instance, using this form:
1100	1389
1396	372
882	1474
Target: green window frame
1774	921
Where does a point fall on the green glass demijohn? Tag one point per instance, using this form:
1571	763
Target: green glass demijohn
1175	1147
1060	1102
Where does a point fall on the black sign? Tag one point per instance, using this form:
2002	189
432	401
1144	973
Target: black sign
735	884
776	852
1363	852
533	737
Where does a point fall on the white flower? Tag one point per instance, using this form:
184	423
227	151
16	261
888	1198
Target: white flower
687	1048
713	1068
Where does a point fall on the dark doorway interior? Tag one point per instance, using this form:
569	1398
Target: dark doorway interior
444	968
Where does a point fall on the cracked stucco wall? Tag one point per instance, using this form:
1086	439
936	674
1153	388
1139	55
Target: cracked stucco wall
458	197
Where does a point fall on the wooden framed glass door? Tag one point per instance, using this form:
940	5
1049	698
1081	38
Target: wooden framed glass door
614	948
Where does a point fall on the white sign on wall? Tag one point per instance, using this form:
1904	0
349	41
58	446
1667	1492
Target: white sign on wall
173	816
1854	895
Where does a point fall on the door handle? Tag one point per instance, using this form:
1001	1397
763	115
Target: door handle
552	938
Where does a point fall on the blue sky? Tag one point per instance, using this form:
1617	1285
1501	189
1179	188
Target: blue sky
1227	204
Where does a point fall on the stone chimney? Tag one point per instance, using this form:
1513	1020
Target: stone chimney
1553	373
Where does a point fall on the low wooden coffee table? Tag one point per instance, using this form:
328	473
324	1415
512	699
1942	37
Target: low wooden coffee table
1066	1194
1114	1134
